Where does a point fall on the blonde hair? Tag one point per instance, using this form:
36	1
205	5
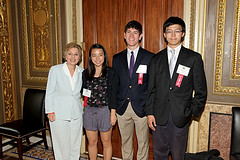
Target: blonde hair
70	46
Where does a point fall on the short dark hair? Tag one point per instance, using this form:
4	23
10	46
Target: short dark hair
91	68
136	25
174	20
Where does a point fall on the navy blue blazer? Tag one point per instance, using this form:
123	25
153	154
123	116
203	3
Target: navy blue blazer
128	89
165	97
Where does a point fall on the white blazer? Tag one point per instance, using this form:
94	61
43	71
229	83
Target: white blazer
60	98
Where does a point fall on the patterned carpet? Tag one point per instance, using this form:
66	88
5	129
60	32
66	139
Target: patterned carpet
36	153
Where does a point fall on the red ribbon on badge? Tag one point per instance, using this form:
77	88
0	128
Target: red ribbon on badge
140	78
179	80
85	101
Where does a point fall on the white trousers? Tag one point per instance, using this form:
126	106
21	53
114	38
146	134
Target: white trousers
66	138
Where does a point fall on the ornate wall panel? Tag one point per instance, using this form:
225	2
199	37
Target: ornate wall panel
30	43
222	53
74	20
236	48
219	88
41	37
7	67
221	50
192	25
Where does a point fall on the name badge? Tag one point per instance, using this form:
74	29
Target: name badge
183	70
86	92
142	69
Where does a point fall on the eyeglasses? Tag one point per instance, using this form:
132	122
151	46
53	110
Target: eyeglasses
175	32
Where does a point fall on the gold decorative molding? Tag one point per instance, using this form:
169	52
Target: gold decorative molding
74	20
57	35
236	56
192	24
39	37
3	17
218	88
7	69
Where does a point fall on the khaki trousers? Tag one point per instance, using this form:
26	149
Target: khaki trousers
126	123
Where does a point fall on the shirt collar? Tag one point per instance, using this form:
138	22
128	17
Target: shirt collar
66	70
135	51
177	49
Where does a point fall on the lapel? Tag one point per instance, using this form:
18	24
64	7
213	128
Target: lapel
124	61
77	84
66	80
165	63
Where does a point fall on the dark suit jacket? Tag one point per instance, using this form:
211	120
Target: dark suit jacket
164	97
129	89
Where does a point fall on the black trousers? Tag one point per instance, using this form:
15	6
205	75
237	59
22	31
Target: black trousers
170	139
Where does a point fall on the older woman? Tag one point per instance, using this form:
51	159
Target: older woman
63	106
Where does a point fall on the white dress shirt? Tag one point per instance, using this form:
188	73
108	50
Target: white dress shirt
73	79
177	50
135	53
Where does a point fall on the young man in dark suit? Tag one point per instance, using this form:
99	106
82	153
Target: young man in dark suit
175	74
131	66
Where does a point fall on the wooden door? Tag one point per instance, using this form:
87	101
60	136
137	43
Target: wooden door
104	22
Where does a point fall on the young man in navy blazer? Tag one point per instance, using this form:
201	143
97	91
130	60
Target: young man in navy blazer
171	102
131	66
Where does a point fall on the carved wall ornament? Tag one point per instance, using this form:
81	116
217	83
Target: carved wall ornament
40	38
3	13
192	24
74	20
236	50
218	87
7	65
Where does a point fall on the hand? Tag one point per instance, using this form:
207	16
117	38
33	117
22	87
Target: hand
51	117
151	122
113	117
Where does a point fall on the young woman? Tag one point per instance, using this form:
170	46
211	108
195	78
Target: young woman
99	98
63	105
